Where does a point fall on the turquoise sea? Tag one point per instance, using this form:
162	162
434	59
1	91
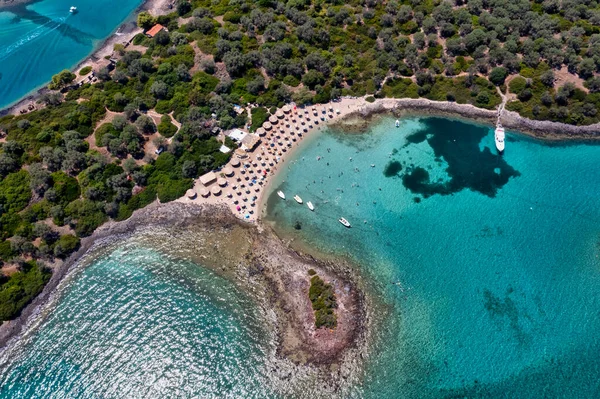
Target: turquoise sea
485	270
41	38
489	265
138	323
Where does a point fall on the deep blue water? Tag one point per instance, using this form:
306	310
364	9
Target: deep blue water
495	259
42	38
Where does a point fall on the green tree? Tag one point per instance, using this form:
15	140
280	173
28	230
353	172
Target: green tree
66	245
61	79
498	75
145	20
166	128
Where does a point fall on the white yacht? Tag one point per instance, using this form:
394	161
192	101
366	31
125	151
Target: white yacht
281	194
310	206
344	222
397	123
298	199
499	137
73	9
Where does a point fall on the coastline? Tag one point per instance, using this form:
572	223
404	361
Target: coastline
125	32
267	269
350	108
297	341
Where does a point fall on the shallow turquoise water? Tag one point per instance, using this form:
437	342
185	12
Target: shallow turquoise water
42	38
496	272
137	323
495	259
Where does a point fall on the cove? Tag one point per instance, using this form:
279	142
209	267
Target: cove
41	38
488	266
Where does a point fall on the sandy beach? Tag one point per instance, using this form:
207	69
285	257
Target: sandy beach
243	189
124	34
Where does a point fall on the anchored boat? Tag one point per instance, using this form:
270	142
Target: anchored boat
499	138
298	199
344	222
281	194
310	206
397	123
73	9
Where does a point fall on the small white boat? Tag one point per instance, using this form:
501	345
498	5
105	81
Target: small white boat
281	194
499	138
298	199
73	9
397	123
344	222
310	206
372	165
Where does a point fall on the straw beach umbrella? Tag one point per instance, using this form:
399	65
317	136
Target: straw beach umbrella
215	190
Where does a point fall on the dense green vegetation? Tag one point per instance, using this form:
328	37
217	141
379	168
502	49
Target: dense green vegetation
85	70
67	168
20	289
323	302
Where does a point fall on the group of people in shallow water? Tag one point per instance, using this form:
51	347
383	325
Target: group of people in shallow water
340	174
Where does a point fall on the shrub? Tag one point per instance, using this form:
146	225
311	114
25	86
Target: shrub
66	187
66	245
6	253
20	289
323	302
103	130
166	128
259	116
498	75
61	79
170	190
145	20
517	85
85	70
15	192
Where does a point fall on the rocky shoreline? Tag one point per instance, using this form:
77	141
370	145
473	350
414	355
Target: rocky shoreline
273	274
543	130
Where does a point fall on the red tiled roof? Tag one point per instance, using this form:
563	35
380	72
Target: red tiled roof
154	30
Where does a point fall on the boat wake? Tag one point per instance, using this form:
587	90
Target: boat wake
39	32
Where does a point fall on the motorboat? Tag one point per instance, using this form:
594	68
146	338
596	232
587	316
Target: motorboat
344	222
298	199
281	194
73	9
397	123
310	206
499	138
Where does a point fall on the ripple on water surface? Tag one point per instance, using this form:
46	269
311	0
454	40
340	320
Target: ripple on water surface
41	38
138	324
